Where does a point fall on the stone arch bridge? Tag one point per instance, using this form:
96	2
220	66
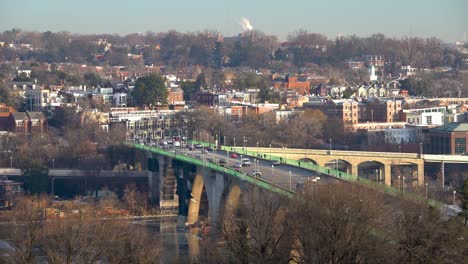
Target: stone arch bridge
352	161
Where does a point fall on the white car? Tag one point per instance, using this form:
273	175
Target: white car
245	162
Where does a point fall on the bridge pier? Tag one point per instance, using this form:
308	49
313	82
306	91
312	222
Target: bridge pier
214	186
421	173
354	170
388	174
195	199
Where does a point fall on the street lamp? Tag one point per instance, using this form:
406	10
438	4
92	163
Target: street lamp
454	193
426	184
234	142
272	167
270	151
257	148
11	162
53	163
290	177
399	183
403	185
330	146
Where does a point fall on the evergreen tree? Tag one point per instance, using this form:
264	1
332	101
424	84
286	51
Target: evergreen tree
150	91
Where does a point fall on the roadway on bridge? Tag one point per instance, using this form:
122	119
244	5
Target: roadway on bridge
278	174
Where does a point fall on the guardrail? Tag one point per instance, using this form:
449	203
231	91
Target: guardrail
338	174
255	181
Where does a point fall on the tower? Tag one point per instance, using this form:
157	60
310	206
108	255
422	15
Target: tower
373	77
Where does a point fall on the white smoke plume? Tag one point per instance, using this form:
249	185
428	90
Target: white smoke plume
245	23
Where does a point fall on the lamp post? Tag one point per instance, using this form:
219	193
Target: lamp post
290	178
403	185
426	184
11	162
270	151
257	148
234	142
53	163
399	183
272	179
330	146
454	193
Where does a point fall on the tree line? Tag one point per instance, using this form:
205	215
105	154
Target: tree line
81	235
255	49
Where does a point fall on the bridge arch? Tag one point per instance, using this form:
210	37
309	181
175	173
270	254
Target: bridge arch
338	164
195	200
372	170
308	160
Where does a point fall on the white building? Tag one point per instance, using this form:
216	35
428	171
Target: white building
433	116
120	99
394	136
36	99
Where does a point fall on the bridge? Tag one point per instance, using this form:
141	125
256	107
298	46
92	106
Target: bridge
194	181
376	166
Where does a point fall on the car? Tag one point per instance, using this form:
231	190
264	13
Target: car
210	148
275	163
210	160
245	162
256	173
198	145
204	151
190	147
222	162
313	179
233	155
176	144
237	167
198	157
317	178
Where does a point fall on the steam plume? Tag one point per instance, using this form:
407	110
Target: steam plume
246	26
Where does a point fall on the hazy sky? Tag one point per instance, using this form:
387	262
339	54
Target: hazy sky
445	19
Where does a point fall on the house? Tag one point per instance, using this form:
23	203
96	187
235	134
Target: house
5	111
26	123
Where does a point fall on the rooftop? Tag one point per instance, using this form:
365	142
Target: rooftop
453	127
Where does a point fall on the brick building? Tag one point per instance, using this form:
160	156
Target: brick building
346	110
292	83
5	111
25	123
449	139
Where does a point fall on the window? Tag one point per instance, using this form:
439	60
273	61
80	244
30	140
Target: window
460	145
429	120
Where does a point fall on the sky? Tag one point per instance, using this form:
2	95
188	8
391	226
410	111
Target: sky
445	19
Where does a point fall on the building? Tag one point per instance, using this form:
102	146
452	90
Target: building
5	111
37	99
392	136
433	116
292	83
345	110
26	123
448	139
175	96
143	124
8	189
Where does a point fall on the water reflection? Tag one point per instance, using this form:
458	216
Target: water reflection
177	244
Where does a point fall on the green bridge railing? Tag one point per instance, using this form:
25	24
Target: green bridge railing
255	181
337	174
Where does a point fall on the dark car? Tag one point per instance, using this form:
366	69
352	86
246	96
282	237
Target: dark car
210	148
210	160
198	157
190	147
222	162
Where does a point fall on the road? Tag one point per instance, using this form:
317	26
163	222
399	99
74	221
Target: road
286	176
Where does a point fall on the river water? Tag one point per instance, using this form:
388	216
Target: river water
177	244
